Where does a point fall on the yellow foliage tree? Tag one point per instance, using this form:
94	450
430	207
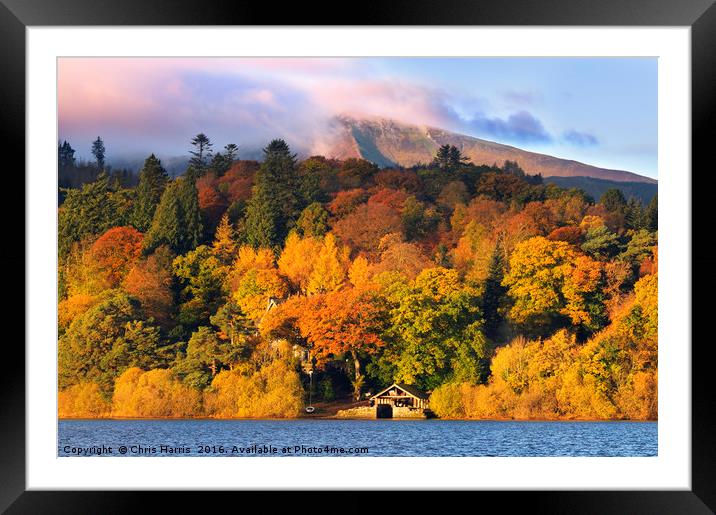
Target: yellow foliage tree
224	246
249	259
359	272
473	252
297	259
255	290
154	394
82	400
72	307
591	222
330	267
274	391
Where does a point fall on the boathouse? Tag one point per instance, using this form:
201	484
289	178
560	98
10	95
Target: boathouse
400	401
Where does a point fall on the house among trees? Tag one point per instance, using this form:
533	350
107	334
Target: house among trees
400	401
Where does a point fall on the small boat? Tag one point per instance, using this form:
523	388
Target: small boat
310	409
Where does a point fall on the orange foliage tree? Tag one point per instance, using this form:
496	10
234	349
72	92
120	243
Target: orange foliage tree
114	253
150	281
347	321
366	225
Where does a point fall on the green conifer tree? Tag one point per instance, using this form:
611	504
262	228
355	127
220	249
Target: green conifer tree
177	220
153	180
274	205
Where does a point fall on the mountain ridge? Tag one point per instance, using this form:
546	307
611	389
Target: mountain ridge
387	142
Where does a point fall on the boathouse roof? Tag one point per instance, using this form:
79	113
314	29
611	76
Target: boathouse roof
409	389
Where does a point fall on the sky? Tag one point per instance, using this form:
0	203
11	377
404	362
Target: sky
600	111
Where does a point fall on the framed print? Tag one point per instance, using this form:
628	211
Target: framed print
426	250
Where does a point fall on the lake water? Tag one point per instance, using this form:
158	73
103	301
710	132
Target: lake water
354	438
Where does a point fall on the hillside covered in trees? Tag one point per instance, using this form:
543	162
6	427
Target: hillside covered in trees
215	293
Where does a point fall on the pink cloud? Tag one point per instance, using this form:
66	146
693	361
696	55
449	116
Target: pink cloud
240	99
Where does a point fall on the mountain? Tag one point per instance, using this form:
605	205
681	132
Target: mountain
643	191
387	142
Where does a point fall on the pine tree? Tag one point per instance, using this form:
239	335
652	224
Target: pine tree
449	157
193	230
442	158
494	294
634	214
202	153
274	205
153	180
230	152
651	214
98	151
224	247
613	200
65	155
177	220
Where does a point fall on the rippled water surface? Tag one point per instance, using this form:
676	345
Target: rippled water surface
353	437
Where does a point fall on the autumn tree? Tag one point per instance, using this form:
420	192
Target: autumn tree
298	258
212	203
150	281
329	268
91	211
108	338
113	254
272	391
345	202
570	234
548	281
82	400
347	321
359	272
224	246
401	257
436	329
256	288
368	223
154	394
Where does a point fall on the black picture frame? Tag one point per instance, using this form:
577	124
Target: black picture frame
16	15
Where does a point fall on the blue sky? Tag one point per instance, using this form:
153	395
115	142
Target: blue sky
601	111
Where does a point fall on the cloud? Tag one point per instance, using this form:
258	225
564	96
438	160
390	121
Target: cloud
521	97
521	127
164	102
580	139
